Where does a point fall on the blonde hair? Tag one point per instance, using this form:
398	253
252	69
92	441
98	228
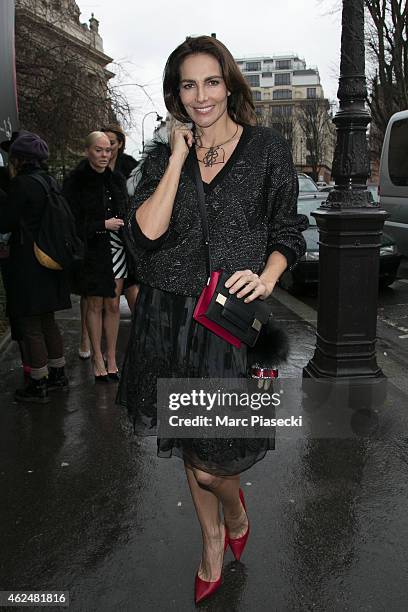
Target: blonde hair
93	137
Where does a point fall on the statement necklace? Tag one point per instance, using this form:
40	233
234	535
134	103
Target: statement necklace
215	154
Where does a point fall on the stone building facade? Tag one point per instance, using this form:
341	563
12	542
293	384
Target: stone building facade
283	85
62	75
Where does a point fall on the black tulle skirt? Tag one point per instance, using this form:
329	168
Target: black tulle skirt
165	342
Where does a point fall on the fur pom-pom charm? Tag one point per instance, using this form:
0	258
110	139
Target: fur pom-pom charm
271	348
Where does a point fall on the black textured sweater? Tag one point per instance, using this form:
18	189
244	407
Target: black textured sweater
251	207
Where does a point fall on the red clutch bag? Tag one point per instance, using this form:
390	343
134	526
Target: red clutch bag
200	311
227	316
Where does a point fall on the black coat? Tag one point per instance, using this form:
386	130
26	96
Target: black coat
4	179
84	188
125	164
31	288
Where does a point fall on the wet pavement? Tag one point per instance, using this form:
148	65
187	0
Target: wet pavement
87	507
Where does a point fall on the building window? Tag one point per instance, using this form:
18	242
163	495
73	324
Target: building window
252	66
252	80
311	92
266	74
282	79
282	111
257	95
283	64
282	94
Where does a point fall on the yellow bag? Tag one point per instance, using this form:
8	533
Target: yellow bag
45	260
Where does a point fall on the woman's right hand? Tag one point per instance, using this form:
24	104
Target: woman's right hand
154	214
181	141
113	224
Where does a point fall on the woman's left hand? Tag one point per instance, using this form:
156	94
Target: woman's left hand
246	283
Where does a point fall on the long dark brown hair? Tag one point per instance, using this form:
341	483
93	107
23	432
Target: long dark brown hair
240	105
116	129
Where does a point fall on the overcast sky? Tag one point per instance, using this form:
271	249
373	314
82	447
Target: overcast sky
142	34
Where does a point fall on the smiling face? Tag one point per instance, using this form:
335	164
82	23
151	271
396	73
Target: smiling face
99	153
202	89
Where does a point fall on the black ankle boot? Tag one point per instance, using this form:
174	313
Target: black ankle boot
35	391
57	379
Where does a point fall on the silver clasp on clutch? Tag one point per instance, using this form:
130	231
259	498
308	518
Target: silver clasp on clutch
257	325
221	299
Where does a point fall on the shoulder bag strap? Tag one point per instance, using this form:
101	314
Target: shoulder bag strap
43	182
203	214
47	188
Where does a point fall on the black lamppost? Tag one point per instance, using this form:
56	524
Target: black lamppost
350	228
158	118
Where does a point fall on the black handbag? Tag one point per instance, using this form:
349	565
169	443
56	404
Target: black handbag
223	313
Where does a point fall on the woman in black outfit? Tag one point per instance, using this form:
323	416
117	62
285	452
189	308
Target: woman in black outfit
34	292
98	199
15	327
251	199
120	161
124	164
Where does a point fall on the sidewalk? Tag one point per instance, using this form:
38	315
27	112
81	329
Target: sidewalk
88	508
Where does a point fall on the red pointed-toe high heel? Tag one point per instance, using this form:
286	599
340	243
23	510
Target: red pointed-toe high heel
204	588
237	545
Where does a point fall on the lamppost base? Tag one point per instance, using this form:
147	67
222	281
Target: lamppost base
312	370
350	240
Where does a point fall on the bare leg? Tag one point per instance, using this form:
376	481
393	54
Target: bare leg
94	320
208	512
111	325
207	492
226	488
131	294
84	347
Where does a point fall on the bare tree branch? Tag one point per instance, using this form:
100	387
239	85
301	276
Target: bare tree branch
315	122
63	92
387	50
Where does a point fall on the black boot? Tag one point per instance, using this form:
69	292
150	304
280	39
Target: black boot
35	391
57	379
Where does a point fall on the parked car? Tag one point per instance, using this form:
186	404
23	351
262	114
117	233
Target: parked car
308	190
305	276
373	189
394	179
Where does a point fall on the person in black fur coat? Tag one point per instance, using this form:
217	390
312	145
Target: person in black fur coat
98	199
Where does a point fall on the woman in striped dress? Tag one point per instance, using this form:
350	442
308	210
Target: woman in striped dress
99	201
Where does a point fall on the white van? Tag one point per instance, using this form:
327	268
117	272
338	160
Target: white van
394	180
